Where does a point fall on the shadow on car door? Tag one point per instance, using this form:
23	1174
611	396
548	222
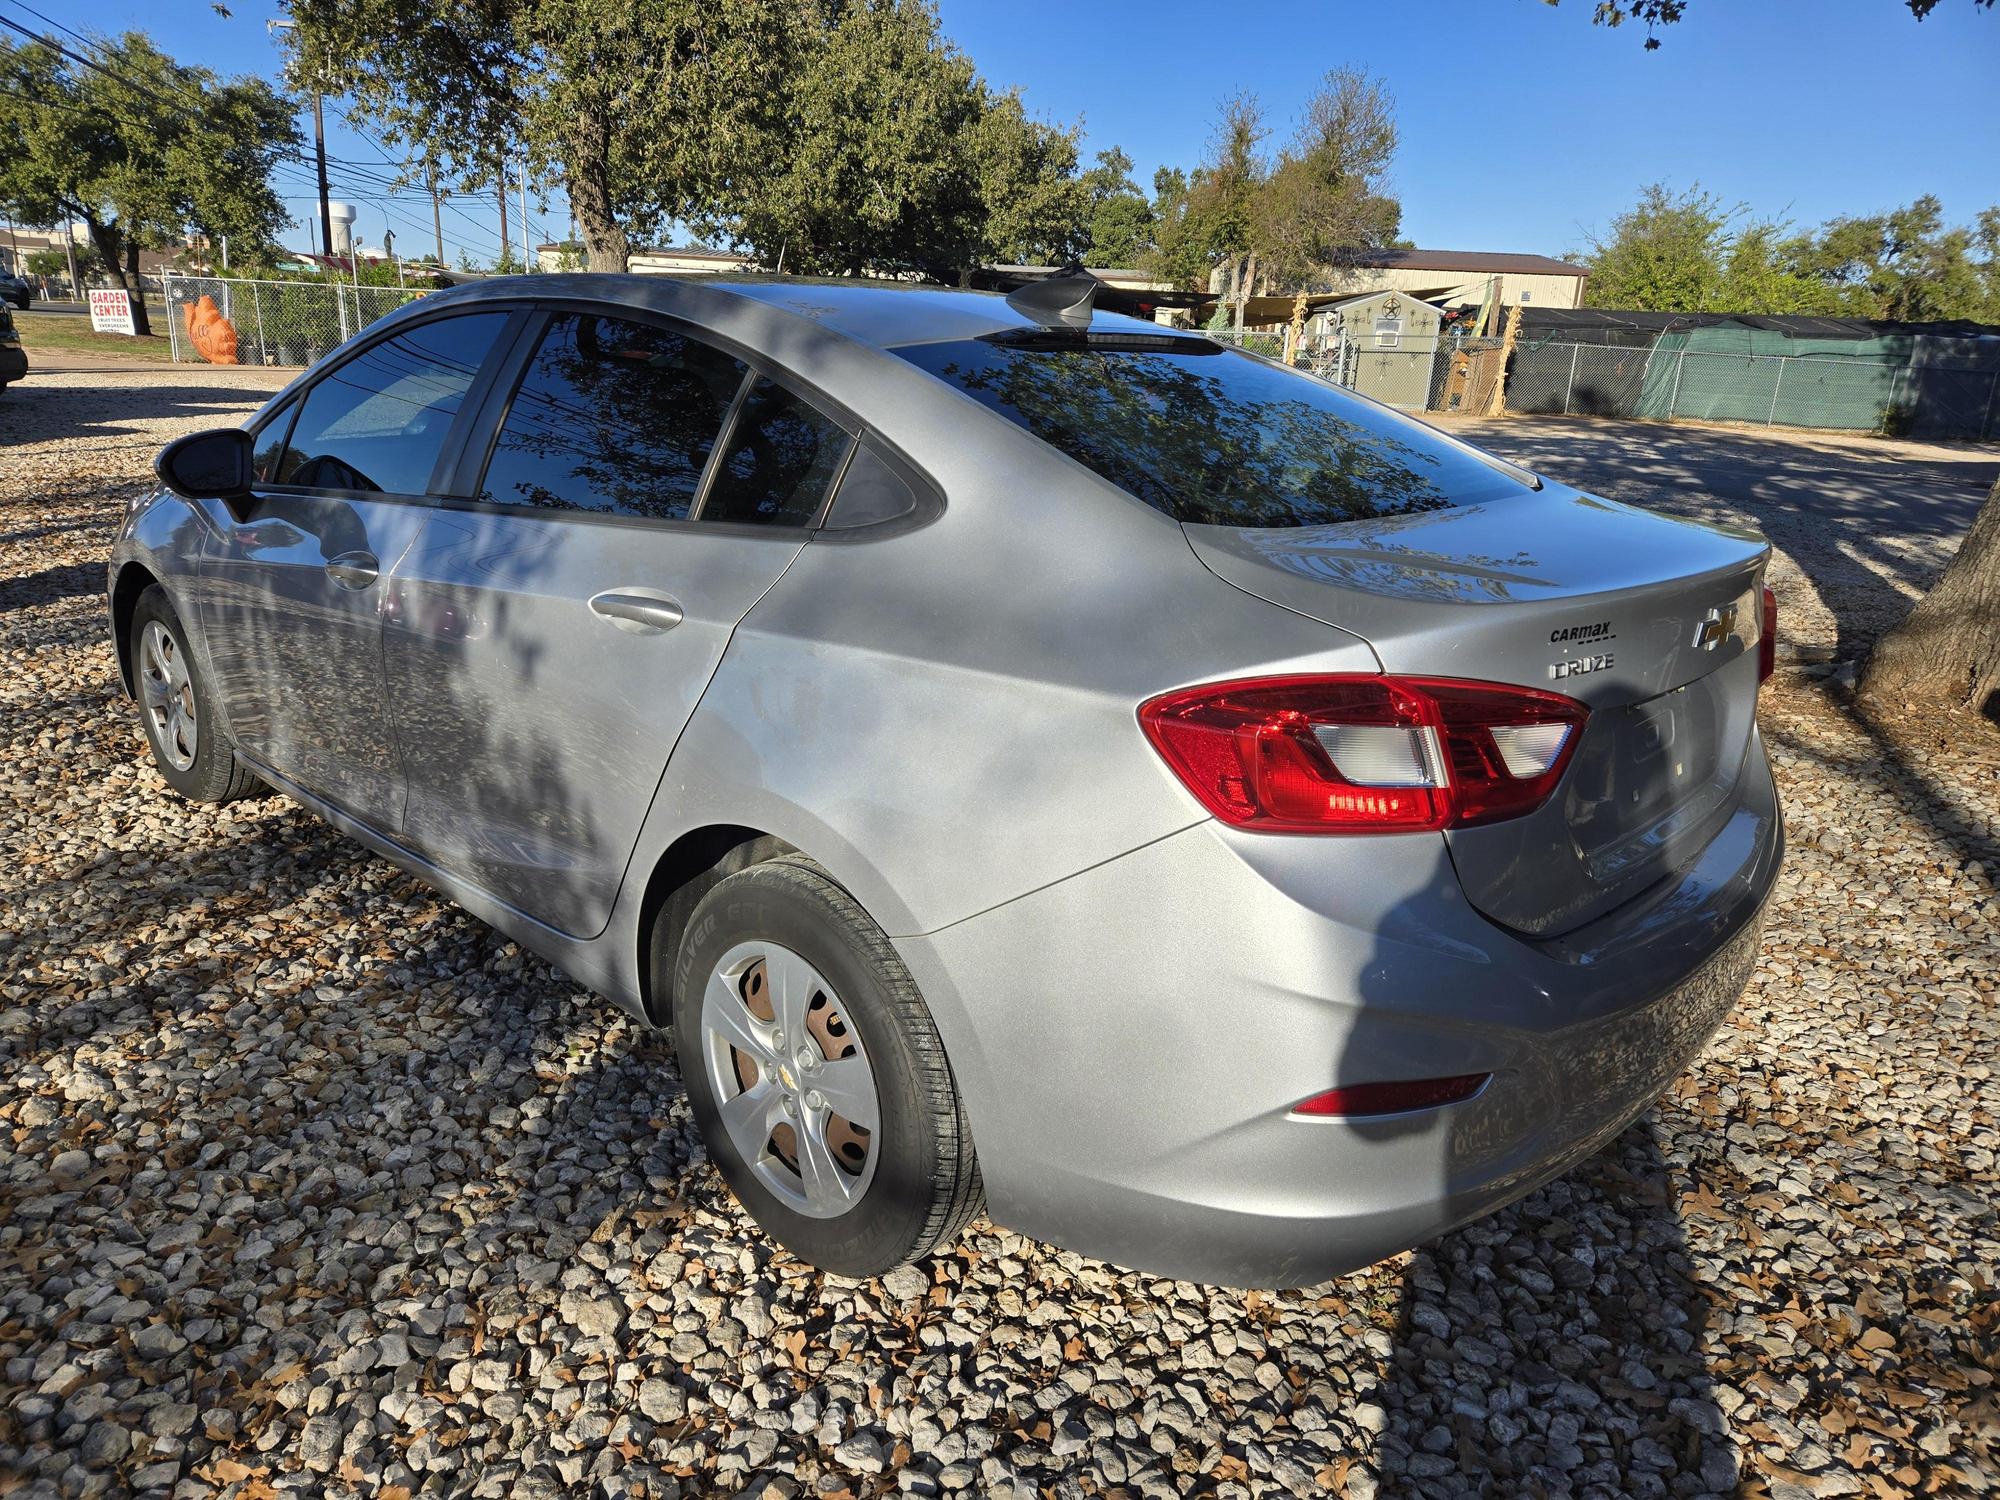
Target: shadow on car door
550	634
292	584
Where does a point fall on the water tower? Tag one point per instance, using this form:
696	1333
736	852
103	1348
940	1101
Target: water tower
340	217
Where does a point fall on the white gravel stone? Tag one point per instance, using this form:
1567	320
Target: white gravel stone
291	1143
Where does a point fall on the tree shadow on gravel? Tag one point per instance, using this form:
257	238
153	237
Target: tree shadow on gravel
50	585
1555	1348
122	406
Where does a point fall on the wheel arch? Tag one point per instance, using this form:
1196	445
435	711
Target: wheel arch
695	862
132	580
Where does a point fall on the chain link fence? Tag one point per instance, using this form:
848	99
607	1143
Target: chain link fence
1257	340
223	320
1910	399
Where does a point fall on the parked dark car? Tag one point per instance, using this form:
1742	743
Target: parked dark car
16	289
13	358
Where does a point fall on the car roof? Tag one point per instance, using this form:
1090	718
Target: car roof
889	314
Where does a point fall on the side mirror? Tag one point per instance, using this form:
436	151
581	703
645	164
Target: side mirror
213	465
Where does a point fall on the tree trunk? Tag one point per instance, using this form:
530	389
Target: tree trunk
121	264
604	238
1246	276
1295	331
1948	647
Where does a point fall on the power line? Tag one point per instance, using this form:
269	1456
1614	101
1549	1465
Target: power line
360	170
283	159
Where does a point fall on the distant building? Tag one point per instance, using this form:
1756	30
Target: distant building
1449	278
1385	345
1443	278
671	260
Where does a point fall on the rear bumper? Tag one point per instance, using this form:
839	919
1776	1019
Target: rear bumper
1129	1042
13	363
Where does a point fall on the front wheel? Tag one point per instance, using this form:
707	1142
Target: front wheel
817	1074
177	709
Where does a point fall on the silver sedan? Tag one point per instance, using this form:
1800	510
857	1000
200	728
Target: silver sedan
1032	758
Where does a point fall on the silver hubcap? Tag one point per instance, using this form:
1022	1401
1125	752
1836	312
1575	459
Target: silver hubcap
796	1091
167	692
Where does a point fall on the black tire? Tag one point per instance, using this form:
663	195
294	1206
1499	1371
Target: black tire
925	1187
215	774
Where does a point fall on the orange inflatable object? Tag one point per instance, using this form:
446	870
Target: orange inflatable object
214	335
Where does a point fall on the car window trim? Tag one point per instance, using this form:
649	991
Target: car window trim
476	452
729	425
503	371
454	438
928	494
470	478
724	436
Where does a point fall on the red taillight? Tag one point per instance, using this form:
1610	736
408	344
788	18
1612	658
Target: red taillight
1364	754
1767	643
1355	1099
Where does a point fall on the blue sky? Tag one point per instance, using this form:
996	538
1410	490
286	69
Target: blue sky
1524	127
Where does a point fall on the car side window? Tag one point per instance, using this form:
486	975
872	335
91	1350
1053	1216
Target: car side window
782	455
268	456
377	422
870	493
613	417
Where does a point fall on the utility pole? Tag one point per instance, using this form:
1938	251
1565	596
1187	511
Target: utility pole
437	214
527	239
69	249
319	152
500	195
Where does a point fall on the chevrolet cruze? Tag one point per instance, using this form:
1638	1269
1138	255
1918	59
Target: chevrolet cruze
1031	759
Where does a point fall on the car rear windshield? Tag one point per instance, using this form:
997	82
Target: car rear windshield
1214	437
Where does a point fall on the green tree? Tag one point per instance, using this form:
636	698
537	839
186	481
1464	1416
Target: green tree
1121	224
52	262
1908	265
1767	268
897	157
1664	254
1325	200
1210	224
650	112
1031	206
143	150
873	171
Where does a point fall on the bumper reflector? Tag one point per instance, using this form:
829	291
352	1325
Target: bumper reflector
1360	1099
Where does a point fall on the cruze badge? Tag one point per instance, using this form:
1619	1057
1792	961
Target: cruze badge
1717	626
1577	666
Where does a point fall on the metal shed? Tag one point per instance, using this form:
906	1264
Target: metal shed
1383	344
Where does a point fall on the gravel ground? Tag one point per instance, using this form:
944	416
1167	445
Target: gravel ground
311	1184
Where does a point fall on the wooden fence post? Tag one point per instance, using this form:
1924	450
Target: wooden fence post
1498	403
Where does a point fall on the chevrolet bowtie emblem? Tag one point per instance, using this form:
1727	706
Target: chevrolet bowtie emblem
1717	626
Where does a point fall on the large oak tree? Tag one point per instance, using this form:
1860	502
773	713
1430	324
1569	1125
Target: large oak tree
142	149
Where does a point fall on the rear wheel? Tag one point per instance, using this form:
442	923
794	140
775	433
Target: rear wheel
176	708
817	1075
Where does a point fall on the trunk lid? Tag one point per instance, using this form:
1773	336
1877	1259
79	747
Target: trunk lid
1650	621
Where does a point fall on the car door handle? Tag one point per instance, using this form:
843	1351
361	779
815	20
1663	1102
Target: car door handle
641	612
354	570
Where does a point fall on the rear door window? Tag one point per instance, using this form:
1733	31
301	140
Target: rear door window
783	453
613	417
377	422
1212	436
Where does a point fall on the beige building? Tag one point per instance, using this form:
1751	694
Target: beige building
1452	277
1444	278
